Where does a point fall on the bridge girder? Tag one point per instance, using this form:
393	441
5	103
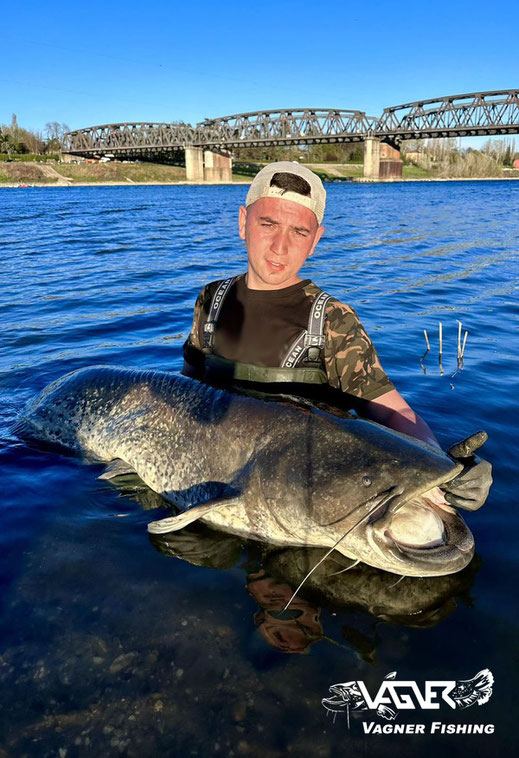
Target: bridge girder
481	113
472	114
286	127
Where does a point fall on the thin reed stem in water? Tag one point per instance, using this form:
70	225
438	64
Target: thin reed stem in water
464	343
459	338
440	335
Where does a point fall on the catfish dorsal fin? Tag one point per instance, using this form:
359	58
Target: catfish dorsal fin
174	523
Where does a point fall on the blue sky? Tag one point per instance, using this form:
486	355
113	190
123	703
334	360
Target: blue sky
101	62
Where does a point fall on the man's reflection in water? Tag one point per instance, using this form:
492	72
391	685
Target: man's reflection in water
291	631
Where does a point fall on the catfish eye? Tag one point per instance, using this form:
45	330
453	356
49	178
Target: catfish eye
366	480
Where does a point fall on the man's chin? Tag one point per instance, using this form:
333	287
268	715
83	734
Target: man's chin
271	277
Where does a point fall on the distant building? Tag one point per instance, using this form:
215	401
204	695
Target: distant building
516	163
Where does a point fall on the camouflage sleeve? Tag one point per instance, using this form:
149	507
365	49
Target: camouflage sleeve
351	361
194	338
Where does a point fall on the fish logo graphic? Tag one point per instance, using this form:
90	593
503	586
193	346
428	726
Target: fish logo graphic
394	695
477	690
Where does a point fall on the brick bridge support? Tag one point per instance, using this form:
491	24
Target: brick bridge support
381	160
208	166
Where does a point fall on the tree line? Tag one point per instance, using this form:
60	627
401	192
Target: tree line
446	157
15	140
352	152
443	157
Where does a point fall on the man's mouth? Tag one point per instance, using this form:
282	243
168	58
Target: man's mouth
273	266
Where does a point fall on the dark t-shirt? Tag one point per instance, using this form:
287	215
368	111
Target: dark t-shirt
258	327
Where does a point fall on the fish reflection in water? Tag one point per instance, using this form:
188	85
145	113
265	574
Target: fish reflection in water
291	630
413	602
273	573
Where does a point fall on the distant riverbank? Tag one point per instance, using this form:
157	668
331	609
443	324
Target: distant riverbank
116	173
248	181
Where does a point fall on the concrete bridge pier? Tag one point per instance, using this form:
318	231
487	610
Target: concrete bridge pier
194	164
371	158
208	165
381	160
217	166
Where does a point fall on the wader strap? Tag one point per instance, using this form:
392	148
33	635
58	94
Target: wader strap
214	311
308	345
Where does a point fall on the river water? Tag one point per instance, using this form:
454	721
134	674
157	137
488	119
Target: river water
114	645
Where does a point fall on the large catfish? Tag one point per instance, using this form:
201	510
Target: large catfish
269	471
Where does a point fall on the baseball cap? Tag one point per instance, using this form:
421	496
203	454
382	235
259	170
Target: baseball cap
261	187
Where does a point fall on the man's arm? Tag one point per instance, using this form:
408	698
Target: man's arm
470	488
392	410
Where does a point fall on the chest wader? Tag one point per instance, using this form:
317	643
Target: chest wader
300	376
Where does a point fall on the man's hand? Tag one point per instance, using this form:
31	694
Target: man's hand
469	489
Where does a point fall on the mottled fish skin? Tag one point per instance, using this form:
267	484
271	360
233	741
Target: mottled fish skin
291	476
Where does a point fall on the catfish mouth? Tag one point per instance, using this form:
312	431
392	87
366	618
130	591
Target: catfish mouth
423	535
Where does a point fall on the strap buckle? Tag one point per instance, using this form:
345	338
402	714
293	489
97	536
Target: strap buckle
313	355
314	340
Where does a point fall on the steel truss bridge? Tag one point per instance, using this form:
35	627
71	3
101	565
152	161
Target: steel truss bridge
481	113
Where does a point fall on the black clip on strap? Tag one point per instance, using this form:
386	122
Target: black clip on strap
309	343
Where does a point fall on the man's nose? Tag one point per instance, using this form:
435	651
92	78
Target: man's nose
280	242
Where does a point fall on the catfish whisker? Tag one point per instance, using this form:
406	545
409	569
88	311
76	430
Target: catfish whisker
364	518
335	573
397	582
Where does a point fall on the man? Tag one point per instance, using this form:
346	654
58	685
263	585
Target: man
269	330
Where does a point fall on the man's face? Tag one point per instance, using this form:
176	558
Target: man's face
280	235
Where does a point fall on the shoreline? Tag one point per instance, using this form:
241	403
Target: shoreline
355	180
11	185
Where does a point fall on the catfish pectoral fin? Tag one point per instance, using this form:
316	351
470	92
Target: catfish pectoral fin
116	468
174	523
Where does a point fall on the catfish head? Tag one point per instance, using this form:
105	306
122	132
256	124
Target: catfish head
373	493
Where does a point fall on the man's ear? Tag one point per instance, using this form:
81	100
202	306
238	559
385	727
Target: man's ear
318	235
242	220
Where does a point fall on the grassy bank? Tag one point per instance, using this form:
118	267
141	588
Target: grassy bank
86	173
345	171
55	173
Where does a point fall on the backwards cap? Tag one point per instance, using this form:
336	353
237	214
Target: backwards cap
261	187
